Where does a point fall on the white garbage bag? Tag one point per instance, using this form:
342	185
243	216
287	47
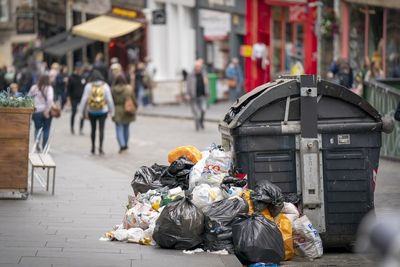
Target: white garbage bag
197	170
290	211
135	235
217	166
307	242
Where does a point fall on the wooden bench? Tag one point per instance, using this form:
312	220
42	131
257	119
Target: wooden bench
44	161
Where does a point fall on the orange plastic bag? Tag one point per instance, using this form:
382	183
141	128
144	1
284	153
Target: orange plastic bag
285	226
190	152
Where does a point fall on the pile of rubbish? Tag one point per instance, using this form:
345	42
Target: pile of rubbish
198	203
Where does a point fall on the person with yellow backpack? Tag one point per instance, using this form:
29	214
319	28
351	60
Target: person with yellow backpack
96	104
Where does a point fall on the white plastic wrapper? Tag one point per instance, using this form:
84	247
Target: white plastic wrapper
233	191
204	195
307	242
121	234
135	235
197	170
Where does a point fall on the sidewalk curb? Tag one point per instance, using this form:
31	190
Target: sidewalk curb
176	117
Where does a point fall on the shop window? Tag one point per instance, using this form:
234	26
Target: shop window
357	37
375	35
77	17
393	44
287	43
4	11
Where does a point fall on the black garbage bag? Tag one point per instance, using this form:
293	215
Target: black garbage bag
147	178
218	218
233	181
257	239
267	195
177	174
292	198
179	226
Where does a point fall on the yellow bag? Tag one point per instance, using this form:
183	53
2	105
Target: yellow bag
190	152
285	226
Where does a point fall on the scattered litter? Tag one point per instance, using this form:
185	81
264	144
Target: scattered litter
191	252
219	252
199	203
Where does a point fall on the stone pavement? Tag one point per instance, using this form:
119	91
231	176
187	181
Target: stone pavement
215	112
91	192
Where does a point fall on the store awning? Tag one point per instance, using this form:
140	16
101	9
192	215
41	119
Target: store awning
379	3
104	28
72	43
55	39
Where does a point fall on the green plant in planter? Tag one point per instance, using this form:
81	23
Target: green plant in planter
6	100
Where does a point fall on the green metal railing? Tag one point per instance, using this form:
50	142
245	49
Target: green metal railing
384	95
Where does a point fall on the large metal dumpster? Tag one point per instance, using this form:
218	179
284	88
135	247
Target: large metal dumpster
312	138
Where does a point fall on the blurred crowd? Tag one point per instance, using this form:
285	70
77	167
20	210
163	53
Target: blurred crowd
91	91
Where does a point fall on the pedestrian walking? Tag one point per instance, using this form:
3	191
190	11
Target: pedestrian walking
14	90
125	110
97	102
374	72
142	85
75	86
60	86
3	84
342	73
43	94
197	91
114	70
10	76
234	76
53	72
100	66
397	112
25	79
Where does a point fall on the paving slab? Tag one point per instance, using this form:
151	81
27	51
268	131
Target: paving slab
91	194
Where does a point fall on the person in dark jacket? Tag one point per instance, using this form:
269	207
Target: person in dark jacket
59	85
397	112
75	88
198	92
25	80
100	66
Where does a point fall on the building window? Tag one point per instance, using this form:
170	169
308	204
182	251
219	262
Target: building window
393	44
4	11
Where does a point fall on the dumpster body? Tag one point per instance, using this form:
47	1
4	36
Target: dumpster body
312	138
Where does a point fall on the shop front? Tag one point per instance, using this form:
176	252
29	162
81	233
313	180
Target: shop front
123	31
220	32
370	34
281	37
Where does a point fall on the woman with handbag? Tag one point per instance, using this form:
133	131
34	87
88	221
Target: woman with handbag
125	109
43	95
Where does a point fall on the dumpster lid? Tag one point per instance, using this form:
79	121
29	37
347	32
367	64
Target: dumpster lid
286	86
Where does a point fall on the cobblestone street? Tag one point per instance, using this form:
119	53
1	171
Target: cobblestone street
91	192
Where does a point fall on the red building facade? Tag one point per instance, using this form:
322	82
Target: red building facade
283	40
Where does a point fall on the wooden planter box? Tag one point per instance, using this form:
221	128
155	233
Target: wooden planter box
14	151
